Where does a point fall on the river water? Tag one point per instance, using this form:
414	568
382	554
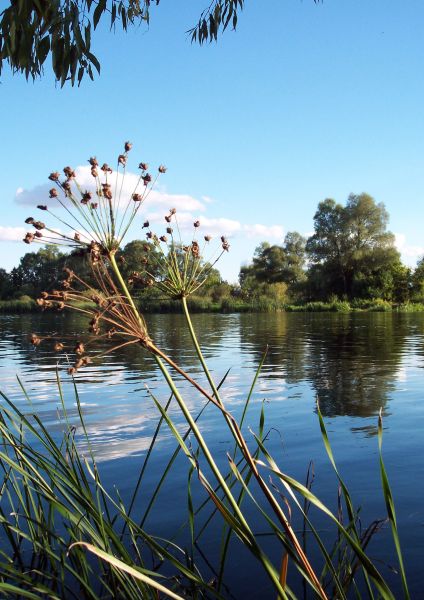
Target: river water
355	364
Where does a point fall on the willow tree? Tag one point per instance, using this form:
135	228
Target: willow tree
31	31
351	252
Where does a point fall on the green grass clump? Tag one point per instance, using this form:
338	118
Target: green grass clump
24	304
410	307
334	306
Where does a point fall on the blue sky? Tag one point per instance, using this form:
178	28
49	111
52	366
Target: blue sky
301	103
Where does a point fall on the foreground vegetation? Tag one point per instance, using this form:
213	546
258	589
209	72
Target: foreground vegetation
67	535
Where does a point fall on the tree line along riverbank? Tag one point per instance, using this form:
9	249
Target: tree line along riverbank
349	263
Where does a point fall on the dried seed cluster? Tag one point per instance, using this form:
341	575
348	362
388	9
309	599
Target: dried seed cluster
98	216
176	268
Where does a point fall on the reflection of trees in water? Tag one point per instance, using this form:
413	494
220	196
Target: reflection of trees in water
285	334
354	360
168	330
67	328
351	360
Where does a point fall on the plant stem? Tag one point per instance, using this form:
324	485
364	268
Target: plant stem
204	447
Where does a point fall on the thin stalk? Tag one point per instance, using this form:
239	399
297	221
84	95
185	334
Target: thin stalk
235	430
204	447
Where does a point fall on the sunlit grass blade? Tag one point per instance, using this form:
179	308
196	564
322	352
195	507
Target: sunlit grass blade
390	506
118	564
346	494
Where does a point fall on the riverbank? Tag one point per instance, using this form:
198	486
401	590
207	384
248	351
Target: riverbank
234	305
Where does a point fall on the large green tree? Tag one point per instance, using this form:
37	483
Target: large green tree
38	271
351	252
5	284
274	264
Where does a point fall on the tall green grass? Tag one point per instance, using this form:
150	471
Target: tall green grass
66	535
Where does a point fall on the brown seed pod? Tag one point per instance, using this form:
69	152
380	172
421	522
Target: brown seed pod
67	187
69	172
34	339
29	237
79	348
195	250
107	191
128	146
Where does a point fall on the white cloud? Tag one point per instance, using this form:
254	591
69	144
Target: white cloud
156	206
125	187
12	234
271	232
410	253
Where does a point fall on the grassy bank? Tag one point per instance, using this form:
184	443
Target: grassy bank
234	305
343	306
25	304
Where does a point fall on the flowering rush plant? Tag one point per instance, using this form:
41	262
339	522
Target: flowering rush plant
97	220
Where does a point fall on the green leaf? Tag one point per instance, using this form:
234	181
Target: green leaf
98	11
43	49
93	61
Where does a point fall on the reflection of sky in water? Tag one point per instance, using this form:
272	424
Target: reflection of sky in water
356	364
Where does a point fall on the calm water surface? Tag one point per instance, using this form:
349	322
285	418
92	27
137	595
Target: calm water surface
355	364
